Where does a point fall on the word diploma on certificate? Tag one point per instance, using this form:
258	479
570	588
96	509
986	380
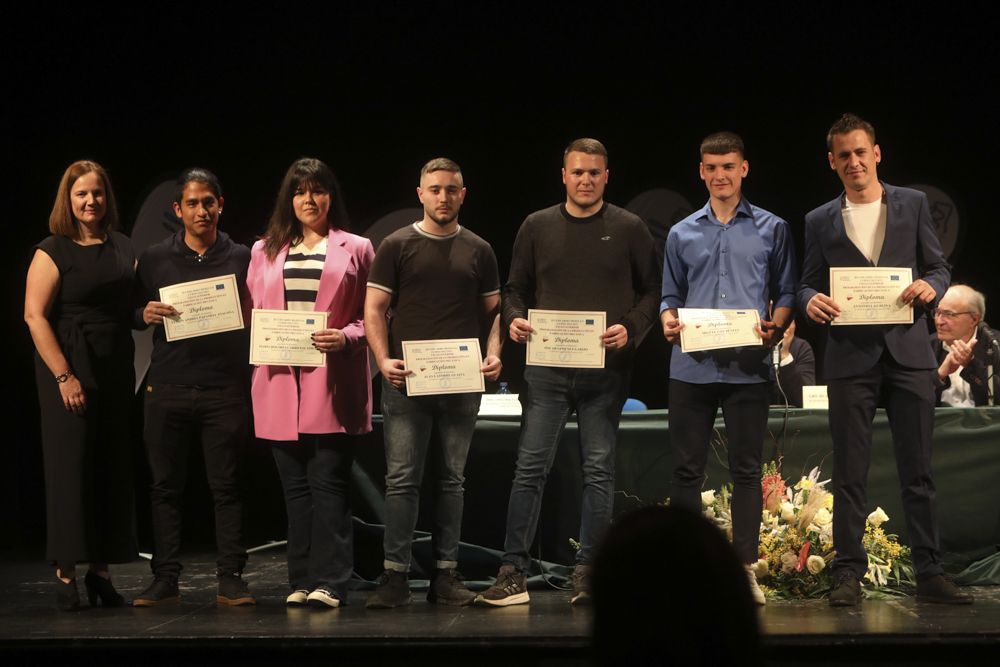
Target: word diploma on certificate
206	307
284	337
446	366
870	295
715	329
566	338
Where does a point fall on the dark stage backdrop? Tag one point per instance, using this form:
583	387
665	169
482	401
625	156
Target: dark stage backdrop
378	89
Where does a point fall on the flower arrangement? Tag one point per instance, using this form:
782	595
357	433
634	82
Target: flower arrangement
796	539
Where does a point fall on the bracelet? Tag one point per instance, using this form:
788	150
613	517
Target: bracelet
65	376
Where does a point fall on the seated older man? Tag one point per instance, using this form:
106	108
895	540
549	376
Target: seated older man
966	350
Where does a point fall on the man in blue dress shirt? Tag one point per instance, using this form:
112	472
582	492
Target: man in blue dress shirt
728	255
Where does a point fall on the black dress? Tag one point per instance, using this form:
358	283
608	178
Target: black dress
88	459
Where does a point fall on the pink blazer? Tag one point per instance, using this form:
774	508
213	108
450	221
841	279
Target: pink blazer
336	398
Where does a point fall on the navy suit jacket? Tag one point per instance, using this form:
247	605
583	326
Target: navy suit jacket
910	241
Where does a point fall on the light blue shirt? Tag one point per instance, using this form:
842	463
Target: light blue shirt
743	264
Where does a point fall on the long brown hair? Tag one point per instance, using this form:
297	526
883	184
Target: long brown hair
284	228
61	220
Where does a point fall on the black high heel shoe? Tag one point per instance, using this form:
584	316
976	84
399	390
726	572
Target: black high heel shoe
99	587
67	596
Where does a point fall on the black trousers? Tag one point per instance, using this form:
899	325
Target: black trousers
316	478
692	418
909	402
178	418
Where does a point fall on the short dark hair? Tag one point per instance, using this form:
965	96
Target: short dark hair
284	228
588	146
440	164
198	175
721	143
847	123
61	220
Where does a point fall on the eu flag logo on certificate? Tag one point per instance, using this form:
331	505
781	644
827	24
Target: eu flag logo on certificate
220	286
590	322
310	320
463	348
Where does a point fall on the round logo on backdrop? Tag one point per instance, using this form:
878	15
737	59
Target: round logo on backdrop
390	222
660	209
944	212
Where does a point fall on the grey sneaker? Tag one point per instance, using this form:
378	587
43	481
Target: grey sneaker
447	588
581	585
392	589
233	591
511	587
163	590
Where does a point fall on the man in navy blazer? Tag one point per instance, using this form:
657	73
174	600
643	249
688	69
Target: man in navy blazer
875	224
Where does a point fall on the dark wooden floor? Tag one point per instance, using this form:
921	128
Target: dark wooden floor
548	631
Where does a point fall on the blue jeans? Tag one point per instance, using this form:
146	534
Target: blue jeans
407	426
316	478
550	396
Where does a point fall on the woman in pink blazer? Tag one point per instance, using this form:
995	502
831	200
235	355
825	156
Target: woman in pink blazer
306	261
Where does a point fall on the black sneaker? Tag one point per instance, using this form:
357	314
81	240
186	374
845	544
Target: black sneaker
392	589
940	590
846	590
163	590
511	587
447	588
233	591
581	585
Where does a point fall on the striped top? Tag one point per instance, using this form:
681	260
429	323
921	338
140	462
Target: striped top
302	271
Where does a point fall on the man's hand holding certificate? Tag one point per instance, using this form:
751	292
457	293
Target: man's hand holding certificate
564	338
284	337
448	366
204	307
871	295
713	329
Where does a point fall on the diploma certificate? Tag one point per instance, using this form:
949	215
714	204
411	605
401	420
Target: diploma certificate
447	366
870	295
713	329
284	337
206	307
566	338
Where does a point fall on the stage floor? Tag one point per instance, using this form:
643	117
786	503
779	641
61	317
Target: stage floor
547	631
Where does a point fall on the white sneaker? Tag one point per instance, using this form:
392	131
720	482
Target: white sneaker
755	592
322	598
297	598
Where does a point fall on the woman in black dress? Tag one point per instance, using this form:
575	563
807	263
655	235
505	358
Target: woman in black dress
77	306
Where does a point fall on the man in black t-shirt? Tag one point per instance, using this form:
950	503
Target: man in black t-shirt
196	392
438	281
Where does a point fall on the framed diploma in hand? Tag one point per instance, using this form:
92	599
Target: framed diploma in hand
284	337
714	329
206	307
870	295
447	366
566	338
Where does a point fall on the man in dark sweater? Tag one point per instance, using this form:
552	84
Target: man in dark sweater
583	255
196	392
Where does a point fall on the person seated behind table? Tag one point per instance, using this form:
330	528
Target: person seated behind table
963	348
797	368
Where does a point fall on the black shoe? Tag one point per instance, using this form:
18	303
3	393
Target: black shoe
163	590
447	588
392	589
846	590
941	590
67	595
101	587
233	591
511	587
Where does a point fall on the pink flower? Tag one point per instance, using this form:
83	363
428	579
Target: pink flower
803	556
